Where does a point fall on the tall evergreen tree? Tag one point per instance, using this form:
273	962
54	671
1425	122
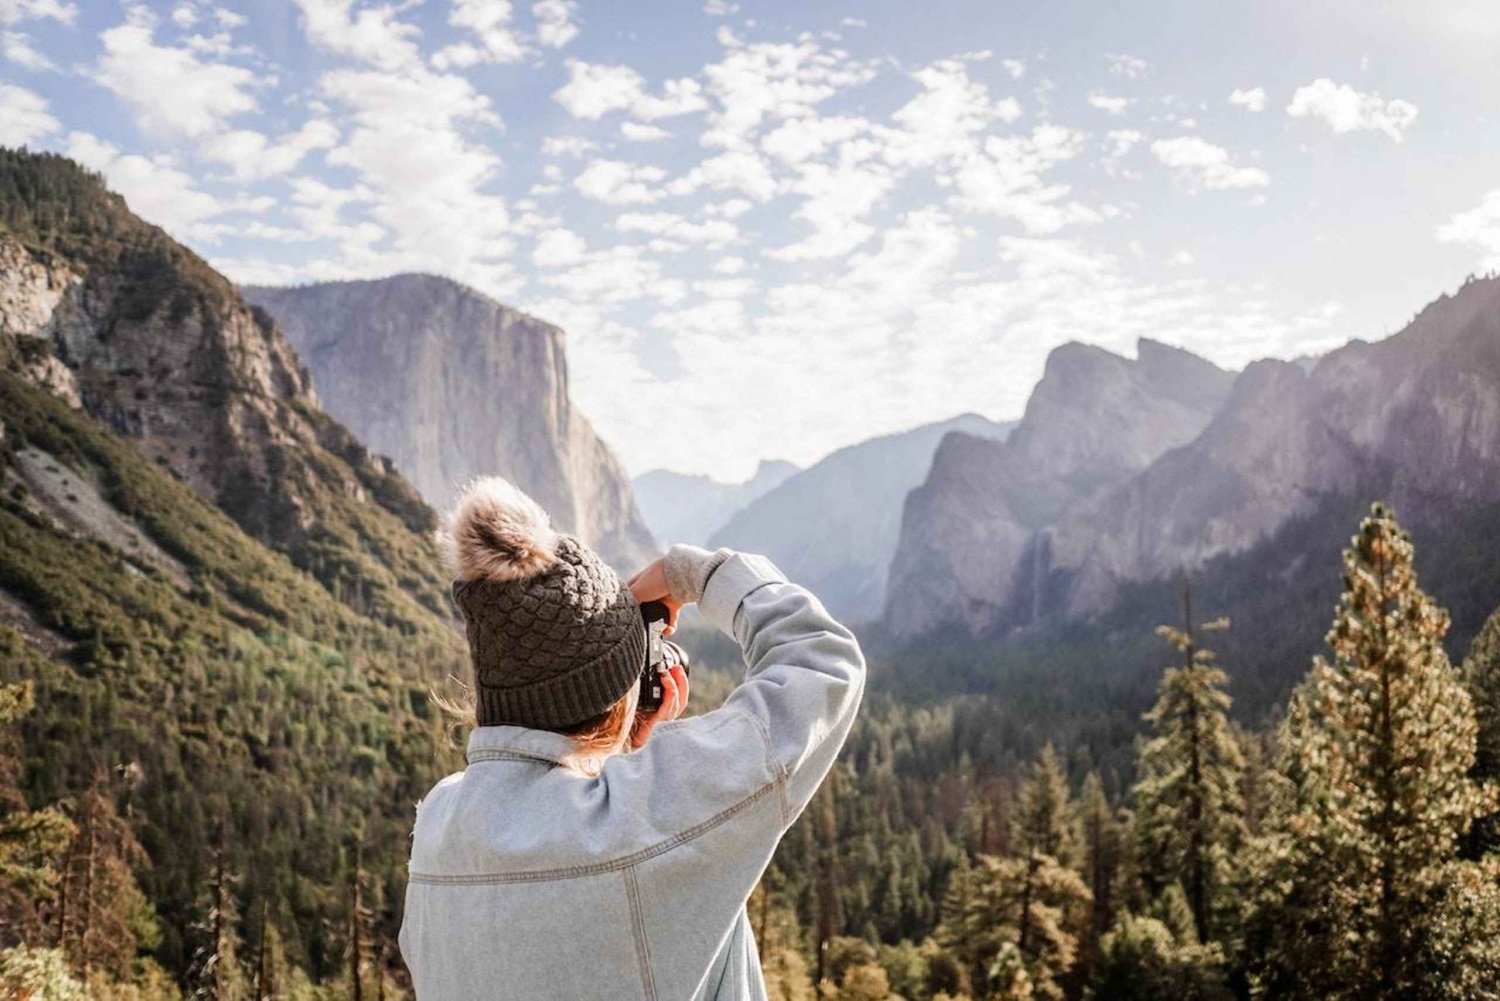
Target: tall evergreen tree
1356	887
1189	805
1481	675
1103	844
1043	822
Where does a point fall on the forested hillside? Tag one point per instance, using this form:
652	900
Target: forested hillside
229	738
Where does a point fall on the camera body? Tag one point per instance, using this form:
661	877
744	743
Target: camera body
661	655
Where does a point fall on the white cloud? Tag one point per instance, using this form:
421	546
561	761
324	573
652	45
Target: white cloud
1253	99
575	146
1122	141
558	248
184	16
1201	164
16	47
733	171
15	11
1479	227
764	81
1348	110
555	27
171	89
941	122
373	35
594	90
1014	67
615	182
489	22
1127	66
637	132
252	156
720	8
1006	179
675	231
1112	104
24	118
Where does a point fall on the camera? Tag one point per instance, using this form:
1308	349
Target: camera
661	655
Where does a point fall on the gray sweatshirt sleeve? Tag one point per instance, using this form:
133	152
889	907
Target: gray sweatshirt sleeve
805	672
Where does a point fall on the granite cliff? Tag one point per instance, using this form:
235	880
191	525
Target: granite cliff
452	385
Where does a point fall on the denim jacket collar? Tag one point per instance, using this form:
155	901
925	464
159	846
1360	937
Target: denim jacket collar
498	743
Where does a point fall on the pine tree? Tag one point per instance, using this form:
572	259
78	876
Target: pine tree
1043	823
1481	675
1012	923
1355	890
1103	845
1189	806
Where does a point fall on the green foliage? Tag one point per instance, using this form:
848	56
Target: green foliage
1189	809
261	714
1141	960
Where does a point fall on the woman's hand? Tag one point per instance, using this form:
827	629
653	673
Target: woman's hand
674	699
650	584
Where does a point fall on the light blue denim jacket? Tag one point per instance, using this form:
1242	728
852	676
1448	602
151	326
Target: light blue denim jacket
530	881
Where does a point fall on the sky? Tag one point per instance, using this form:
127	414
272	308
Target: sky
774	229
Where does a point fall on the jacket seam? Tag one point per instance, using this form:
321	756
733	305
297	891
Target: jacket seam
777	774
638	925
506	754
611	865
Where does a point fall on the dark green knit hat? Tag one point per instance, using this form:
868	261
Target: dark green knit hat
556	637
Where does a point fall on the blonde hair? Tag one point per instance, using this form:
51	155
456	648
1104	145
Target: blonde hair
594	740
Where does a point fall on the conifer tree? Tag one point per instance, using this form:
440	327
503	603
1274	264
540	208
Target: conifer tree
1481	675
1043	823
1103	845
1189	806
1014	922
1356	891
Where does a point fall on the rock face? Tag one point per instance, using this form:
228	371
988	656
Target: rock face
452	385
115	317
833	527
1112	479
1413	419
974	544
679	507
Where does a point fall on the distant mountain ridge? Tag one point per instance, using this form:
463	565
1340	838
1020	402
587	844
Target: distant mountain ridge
973	534
680	507
1050	527
833	526
452	384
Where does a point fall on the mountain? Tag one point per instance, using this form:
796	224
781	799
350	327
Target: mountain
1060	522
452	385
973	535
1413	419
680	507
834	525
229	609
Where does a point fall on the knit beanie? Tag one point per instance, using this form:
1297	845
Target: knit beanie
555	636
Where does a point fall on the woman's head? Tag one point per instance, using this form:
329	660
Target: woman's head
556	639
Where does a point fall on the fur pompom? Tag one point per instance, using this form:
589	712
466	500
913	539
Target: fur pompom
497	533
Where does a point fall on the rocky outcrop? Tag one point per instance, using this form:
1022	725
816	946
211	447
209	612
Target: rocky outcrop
833	527
112	315
975	546
684	508
452	385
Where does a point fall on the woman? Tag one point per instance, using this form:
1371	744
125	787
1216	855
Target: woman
559	864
